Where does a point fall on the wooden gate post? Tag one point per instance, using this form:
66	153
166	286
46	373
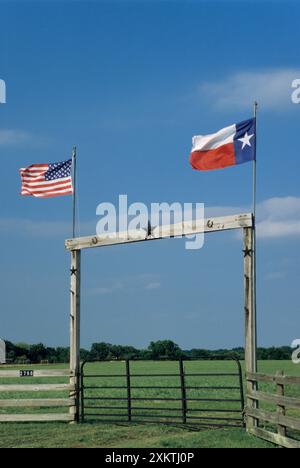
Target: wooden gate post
75	334
250	318
282	430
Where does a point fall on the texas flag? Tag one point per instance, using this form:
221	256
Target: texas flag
228	147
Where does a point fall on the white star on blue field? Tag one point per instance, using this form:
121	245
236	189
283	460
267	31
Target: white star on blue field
246	140
129	83
59	170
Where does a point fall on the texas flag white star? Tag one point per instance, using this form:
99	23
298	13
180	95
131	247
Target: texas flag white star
246	140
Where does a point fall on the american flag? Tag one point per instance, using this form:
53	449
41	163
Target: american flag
47	180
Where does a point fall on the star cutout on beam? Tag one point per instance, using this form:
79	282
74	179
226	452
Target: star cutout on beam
246	140
247	252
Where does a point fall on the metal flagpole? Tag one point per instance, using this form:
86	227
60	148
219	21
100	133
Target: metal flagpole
74	163
254	238
254	162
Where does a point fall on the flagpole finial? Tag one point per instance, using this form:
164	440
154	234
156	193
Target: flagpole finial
255	107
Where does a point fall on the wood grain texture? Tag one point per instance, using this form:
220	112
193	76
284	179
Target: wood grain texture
75	291
288	402
34	417
225	223
37	373
250	321
281	407
284	379
274	418
37	403
36	388
275	438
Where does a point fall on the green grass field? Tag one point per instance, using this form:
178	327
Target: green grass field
122	435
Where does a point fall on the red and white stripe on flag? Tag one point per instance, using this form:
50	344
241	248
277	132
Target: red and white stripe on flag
47	180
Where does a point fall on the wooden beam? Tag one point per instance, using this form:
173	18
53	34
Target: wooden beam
282	379
36	388
281	406
288	402
34	417
37	373
37	403
189	228
275	418
75	334
250	321
274	438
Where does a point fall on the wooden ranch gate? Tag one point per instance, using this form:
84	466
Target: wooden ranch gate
34	407
244	222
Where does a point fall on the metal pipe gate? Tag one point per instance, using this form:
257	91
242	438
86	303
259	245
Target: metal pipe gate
177	399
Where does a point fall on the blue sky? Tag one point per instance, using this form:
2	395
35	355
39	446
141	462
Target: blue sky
130	83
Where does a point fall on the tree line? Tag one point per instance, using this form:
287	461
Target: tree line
22	353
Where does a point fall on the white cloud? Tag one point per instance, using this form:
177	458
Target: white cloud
271	88
154	285
14	137
277	217
44	229
111	288
274	229
280	207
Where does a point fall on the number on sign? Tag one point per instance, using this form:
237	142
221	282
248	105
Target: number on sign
26	373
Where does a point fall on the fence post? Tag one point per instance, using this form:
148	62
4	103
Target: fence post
183	390
128	390
280	408
75	334
82	392
242	394
250	321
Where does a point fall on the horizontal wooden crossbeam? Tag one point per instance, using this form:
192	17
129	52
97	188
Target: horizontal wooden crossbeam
276	439
274	418
284	401
38	403
36	373
36	388
276	379
35	417
187	228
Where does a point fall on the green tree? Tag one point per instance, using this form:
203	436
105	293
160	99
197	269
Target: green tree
37	353
100	351
164	349
85	355
63	354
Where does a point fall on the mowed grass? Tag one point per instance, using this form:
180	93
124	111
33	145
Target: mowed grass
122	434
